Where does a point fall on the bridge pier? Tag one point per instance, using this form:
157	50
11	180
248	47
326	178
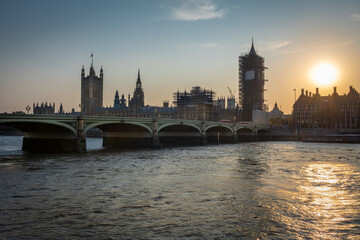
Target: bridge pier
156	139
203	133
235	136
80	145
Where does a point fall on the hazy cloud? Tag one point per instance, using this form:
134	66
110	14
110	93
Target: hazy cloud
340	44
206	45
291	51
355	17
282	47
197	45
273	46
193	10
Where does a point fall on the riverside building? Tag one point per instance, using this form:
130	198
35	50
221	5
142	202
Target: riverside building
332	111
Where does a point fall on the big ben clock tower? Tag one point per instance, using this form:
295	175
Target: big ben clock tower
251	83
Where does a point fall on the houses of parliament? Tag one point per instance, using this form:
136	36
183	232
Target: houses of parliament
194	104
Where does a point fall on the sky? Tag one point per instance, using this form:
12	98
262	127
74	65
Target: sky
176	44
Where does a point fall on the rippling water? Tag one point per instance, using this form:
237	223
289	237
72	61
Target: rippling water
266	190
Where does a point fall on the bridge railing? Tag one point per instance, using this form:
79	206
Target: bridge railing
68	118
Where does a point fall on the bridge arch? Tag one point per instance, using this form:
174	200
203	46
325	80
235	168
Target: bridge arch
25	125
99	124
124	134
245	134
219	134
221	127
263	131
45	135
245	131
179	133
179	124
263	134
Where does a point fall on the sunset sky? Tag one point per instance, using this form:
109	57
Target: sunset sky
176	44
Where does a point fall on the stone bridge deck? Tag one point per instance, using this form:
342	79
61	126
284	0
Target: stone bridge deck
67	133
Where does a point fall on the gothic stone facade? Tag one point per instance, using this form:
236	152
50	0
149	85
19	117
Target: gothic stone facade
91	90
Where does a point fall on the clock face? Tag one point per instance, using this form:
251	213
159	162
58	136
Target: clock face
249	75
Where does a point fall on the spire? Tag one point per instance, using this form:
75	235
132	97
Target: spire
116	100
92	71
61	109
123	101
252	50
138	81
83	71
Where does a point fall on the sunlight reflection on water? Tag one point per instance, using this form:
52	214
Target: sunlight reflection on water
330	200
268	190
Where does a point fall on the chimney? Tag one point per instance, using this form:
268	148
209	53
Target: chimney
309	94
302	91
317	91
334	89
306	93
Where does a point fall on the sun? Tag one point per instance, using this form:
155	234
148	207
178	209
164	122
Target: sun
324	74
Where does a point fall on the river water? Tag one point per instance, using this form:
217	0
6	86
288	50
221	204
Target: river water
262	190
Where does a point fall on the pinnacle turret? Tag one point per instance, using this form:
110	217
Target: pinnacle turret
252	50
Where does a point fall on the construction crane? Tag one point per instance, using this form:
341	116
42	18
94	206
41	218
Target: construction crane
232	95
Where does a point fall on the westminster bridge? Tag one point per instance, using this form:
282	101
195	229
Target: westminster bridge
67	133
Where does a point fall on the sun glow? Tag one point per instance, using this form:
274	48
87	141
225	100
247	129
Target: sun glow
324	74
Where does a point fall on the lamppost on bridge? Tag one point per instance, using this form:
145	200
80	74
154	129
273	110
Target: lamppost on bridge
81	106
235	137
28	108
155	113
